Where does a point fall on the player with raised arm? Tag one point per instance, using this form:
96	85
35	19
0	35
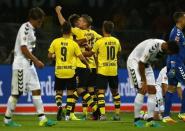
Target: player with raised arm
65	49
24	75
107	49
142	77
176	68
85	78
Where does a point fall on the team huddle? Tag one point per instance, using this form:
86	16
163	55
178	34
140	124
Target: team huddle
87	62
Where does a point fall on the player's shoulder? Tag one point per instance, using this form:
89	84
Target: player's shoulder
176	31
114	38
163	70
25	27
159	41
76	29
57	40
93	31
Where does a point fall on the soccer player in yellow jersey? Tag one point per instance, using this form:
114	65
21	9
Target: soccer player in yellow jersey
85	78
63	50
107	49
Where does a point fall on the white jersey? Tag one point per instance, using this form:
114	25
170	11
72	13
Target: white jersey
162	78
147	51
25	37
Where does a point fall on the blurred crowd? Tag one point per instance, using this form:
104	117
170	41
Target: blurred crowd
135	20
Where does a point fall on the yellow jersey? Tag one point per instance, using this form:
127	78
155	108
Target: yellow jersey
77	33
91	37
107	49
66	50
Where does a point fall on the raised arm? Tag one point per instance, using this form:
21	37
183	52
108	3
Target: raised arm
59	14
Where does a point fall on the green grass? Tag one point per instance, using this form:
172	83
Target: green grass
30	123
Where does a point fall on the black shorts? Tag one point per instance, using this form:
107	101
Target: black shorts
103	81
85	78
65	83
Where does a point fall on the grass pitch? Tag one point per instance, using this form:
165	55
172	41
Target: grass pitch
30	123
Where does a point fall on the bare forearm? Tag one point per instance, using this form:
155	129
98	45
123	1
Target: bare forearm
60	18
142	71
28	54
83	60
88	53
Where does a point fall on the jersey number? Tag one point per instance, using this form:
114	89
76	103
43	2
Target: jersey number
63	53
111	53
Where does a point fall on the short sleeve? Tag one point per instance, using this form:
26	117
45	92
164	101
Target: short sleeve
51	48
24	30
119	46
95	47
96	35
164	79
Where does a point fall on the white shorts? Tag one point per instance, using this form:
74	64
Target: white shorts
134	76
24	80
159	99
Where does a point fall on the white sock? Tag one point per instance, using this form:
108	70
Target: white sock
37	101
12	101
151	103
138	103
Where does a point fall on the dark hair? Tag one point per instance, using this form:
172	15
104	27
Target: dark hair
73	19
88	19
173	47
178	15
108	26
66	28
36	13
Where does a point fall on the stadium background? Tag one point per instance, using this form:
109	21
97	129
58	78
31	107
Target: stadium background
134	22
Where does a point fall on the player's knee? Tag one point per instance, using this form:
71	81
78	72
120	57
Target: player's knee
59	92
141	92
16	96
70	92
80	91
36	92
114	92
101	91
151	89
91	89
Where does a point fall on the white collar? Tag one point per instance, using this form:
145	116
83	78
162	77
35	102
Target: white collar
30	25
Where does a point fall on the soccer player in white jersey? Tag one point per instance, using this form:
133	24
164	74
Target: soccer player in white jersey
24	75
161	88
142	77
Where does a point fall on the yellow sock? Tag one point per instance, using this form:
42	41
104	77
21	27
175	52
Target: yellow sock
101	103
117	103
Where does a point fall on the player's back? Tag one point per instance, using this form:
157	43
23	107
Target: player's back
66	50
107	49
149	47
177	35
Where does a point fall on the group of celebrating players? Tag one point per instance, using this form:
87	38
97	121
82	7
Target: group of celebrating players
86	62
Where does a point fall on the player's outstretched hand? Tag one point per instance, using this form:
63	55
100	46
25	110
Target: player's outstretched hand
58	9
39	64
